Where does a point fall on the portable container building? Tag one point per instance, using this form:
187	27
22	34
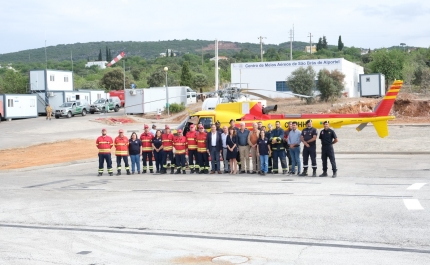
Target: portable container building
372	85
18	106
146	100
56	98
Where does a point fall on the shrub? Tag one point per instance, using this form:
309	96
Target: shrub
175	107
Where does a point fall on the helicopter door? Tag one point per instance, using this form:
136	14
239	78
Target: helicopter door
206	122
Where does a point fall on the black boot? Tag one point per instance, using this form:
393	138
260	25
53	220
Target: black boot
206	171
304	173
143	171
178	171
111	174
192	171
151	171
163	171
334	173
172	170
314	173
184	172
119	173
324	174
128	172
100	174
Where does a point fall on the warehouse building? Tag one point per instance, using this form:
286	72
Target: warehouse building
272	76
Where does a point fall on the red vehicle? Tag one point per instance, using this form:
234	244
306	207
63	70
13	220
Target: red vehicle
118	93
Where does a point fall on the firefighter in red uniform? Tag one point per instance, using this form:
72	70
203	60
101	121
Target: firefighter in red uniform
202	154
146	138
104	143
192	149
180	144
167	139
121	152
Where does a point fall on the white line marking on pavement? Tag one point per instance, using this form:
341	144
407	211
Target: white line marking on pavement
413	204
416	186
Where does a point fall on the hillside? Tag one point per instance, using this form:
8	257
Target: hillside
147	50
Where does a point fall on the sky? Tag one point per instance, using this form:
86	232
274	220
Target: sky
27	24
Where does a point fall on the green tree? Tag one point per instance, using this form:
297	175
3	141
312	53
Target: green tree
302	81
200	81
340	44
110	56
114	80
324	43
388	63
330	85
156	79
14	83
186	77
136	73
171	53
100	56
319	44
107	54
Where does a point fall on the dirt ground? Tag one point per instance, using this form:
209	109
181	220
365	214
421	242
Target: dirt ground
49	153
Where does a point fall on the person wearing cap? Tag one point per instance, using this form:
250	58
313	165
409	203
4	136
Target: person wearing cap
192	149
309	138
180	145
146	138
202	155
294	142
214	149
134	150
153	129
121	152
167	138
218	127
278	149
328	138
104	143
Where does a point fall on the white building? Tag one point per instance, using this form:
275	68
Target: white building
272	76
48	80
100	64
18	106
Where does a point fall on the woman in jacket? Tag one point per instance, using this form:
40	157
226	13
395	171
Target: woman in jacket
134	151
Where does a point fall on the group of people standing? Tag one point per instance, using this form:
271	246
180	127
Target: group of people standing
237	146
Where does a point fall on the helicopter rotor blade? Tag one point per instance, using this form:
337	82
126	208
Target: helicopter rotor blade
259	95
287	92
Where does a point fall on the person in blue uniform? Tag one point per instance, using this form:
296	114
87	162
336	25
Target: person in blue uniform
328	138
309	138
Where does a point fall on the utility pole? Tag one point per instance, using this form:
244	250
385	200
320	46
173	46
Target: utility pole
293	32
216	66
46	58
310	42
261	46
71	58
291	45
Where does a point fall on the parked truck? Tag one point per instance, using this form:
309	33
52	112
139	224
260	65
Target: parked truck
106	105
72	108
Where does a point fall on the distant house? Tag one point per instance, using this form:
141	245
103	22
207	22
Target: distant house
220	58
314	49
175	53
364	51
100	64
9	67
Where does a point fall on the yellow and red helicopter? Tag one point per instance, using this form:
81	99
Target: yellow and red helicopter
253	111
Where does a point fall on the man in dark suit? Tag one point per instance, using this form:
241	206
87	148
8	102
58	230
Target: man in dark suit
214	146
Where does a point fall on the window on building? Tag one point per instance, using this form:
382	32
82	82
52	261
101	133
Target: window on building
66	79
99	96
32	103
52	78
282	86
10	103
77	97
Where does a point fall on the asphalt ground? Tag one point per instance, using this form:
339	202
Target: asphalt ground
65	214
376	212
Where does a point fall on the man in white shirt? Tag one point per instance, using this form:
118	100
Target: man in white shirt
214	147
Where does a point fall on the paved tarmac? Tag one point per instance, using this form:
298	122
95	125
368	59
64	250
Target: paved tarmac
376	212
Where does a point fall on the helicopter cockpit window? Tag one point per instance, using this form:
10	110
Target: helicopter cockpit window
206	121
